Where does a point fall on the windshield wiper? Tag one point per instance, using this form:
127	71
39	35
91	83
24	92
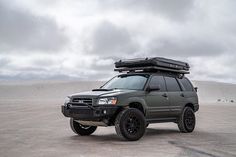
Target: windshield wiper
116	88
100	89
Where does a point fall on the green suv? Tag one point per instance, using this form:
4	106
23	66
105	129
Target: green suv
145	92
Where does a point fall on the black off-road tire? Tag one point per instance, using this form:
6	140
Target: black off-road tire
130	124
187	120
80	129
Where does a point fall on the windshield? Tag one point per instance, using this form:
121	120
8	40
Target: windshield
133	82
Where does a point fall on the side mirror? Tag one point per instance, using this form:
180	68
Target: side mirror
195	88
153	88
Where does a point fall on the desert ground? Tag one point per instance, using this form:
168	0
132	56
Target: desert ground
32	125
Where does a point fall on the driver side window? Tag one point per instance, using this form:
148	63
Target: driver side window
158	81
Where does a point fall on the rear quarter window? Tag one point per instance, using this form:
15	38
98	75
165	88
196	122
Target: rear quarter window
186	84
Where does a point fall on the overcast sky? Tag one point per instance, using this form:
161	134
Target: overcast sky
81	39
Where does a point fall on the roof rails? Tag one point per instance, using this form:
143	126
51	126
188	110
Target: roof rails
156	64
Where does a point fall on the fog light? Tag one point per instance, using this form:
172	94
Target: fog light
104	112
69	106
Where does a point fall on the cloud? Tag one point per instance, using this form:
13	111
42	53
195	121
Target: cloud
171	9
98	33
215	68
110	40
185	47
22	30
50	66
4	62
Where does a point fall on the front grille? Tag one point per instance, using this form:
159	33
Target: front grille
82	101
84	111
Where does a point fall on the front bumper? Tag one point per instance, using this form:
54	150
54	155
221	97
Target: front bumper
95	113
196	107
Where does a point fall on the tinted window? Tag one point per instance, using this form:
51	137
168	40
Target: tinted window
158	80
187	85
172	84
133	82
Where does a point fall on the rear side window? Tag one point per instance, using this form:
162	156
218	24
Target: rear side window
158	80
186	83
172	84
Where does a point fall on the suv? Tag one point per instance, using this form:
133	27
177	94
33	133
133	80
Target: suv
153	90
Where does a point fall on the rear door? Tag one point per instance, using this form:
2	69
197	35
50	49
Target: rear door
175	94
157	101
189	91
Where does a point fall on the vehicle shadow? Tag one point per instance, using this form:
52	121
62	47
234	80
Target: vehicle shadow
150	132
158	131
104	137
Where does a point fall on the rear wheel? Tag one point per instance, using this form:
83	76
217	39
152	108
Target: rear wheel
187	120
80	129
130	124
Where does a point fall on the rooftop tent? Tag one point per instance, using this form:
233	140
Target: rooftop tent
156	64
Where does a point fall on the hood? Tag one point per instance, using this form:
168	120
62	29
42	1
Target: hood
96	94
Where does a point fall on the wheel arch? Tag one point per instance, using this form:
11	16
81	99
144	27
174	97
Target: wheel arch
132	104
138	106
190	105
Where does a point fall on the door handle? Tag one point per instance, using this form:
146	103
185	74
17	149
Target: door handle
182	94
164	95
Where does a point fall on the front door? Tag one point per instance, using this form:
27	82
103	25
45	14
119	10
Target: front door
157	101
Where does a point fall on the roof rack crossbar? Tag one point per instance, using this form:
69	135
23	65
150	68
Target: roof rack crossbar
134	69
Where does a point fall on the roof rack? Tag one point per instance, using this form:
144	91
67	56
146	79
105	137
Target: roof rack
156	64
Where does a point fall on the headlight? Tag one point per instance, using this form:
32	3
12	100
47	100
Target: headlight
107	101
67	100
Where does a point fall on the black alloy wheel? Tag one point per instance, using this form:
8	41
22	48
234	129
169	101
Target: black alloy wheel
187	120
130	124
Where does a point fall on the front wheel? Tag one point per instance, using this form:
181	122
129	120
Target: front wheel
80	129
130	124
187	120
